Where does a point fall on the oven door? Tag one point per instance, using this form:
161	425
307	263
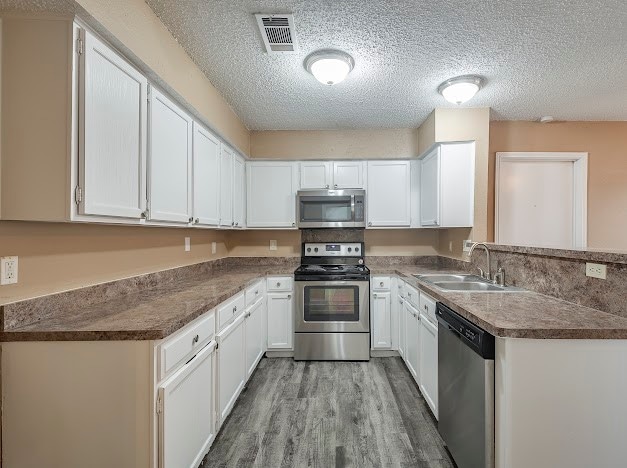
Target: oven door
332	306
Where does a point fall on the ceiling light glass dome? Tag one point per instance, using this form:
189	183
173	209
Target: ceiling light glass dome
460	89
329	67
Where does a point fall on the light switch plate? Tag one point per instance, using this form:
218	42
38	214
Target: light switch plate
188	244
8	270
467	244
596	270
273	245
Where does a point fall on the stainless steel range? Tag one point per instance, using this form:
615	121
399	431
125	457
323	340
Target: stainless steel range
332	291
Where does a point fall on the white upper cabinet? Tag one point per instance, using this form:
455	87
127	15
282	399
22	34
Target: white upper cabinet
239	192
447	186
331	175
388	194
316	175
271	194
112	127
348	174
206	170
226	186
170	160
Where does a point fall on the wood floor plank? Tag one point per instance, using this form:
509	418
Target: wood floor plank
325	414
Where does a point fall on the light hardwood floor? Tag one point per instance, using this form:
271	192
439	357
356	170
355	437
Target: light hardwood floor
330	414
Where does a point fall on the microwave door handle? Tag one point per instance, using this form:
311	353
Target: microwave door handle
353	208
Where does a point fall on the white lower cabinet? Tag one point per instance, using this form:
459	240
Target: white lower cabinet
231	365
429	362
255	339
186	413
412	340
280	321
381	316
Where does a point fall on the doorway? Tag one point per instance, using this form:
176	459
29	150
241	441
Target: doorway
541	199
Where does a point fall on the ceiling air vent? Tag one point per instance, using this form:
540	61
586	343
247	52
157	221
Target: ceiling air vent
277	32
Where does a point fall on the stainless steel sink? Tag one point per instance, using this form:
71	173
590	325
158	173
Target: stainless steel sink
469	286
464	283
437	278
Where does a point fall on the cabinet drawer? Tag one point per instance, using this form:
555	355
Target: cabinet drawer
427	306
230	309
402	288
279	283
413	296
176	350
254	292
381	283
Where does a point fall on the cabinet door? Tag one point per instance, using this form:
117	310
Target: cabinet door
429	362
254	336
170	160
388	202
401	327
280	327
271	194
186	414
348	174
412	345
206	177
238	194
381	308
226	186
231	365
316	175
112	143
430	189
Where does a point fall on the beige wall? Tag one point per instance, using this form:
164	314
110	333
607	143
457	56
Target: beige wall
606	143
334	144
256	243
134	24
401	242
54	256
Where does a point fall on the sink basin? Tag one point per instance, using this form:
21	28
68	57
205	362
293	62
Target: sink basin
461	282
436	278
468	286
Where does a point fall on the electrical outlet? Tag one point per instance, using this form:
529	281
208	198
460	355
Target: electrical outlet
596	270
214	247
188	244
272	245
466	245
8	270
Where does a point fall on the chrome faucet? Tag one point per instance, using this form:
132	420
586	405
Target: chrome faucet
484	274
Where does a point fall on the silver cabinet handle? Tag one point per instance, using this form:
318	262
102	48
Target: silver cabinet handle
196	221
370	223
374	295
278	285
335	186
381	284
289	296
191	220
327	186
426	308
195	340
144	214
256	292
234	309
293	224
232	223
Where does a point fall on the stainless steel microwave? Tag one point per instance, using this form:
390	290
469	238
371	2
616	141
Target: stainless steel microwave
331	208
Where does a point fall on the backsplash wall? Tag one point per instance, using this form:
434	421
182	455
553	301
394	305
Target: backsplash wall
552	272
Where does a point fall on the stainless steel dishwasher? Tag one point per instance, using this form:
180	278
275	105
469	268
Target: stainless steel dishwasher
465	389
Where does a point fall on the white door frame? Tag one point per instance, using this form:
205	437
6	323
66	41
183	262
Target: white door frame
580	186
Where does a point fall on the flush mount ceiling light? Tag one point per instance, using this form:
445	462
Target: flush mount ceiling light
329	67
460	89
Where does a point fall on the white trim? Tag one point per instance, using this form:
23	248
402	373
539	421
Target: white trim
580	187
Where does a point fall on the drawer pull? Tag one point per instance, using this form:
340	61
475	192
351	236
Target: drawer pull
195	340
256	292
278	285
381	284
289	296
426	308
234	309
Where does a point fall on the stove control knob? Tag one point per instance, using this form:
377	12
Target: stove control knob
356	249
308	249
315	249
350	250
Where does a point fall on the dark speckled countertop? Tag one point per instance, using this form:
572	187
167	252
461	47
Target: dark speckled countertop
154	312
524	314
149	314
